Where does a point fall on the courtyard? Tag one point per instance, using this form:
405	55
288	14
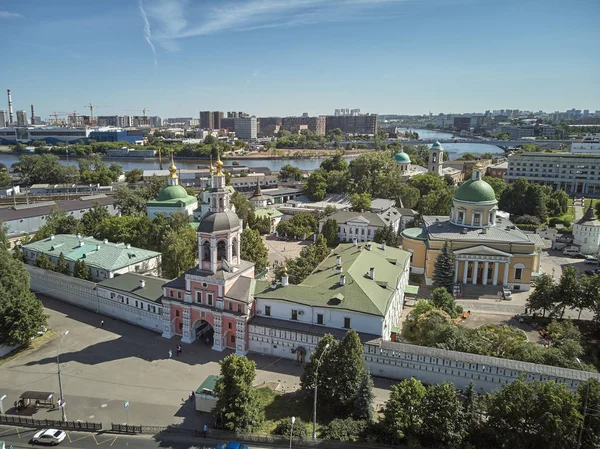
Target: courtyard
105	366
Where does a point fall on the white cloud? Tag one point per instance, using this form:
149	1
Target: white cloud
147	31
178	19
9	15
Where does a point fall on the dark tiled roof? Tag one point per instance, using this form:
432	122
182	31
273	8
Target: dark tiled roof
10	213
130	283
241	290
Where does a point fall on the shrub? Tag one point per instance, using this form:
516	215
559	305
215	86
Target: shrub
527	227
302	430
345	430
527	219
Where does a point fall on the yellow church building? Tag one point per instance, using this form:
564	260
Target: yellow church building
489	249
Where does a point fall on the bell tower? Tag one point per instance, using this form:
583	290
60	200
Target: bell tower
436	158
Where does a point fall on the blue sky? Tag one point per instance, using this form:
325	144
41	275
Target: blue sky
285	57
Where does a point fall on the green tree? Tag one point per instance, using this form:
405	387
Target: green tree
533	415
330	232
243	206
237	408
472	407
134	175
544	294
135	230
316	187
253	249
351	372
310	257
81	270
179	251
43	262
5	179
402	415
3	235
290	172
568	290
443	418
408	196
92	219
590	391
360	202
363	400
21	313
132	202
443	274
61	264
337	163
386	235
18	253
589	294
442	299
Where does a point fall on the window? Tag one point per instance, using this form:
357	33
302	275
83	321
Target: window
221	250
319	318
239	308
295	315
230	307
477	219
228	325
178	295
347	323
518	273
209	299
136	303
233	339
177	313
199	297
461	216
267	310
180	326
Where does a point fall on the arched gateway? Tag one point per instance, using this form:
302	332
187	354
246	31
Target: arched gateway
212	299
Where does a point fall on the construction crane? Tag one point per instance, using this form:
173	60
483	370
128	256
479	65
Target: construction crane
72	115
137	110
91	108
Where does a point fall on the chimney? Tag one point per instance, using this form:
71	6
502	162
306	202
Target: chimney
372	273
383	246
10	109
338	264
97	247
354	241
359	249
32	116
128	246
343	280
51	236
78	236
105	241
285	280
142	283
273	285
368	246
81	243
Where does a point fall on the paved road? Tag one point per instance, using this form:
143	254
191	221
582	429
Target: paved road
104	367
19	438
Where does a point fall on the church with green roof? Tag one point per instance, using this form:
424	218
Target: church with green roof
488	249
172	198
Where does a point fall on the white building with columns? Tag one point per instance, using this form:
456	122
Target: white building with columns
586	233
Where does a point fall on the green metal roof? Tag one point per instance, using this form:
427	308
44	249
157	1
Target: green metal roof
95	253
130	283
360	293
412	289
475	191
402	157
172	192
414	233
269	213
208	384
437	144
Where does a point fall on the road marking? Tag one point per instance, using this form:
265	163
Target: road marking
102	442
12	429
104	405
72	441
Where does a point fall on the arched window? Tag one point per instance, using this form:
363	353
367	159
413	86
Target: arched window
434	157
206	251
519	268
221	250
234	248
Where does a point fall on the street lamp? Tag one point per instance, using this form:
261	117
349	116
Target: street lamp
61	401
587	395
316	386
292	430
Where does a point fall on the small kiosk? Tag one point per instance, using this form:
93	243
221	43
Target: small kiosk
205	397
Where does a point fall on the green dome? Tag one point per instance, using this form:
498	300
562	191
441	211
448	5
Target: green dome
436	145
172	193
475	191
402	158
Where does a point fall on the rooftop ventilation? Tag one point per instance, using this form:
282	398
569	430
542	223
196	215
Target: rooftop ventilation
105	241
128	246
484	231
81	243
97	247
383	246
465	230
368	246
343	280
359	248
372	273
142	283
51	236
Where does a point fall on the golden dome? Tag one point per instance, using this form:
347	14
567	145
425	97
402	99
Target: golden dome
211	168
219	164
173	169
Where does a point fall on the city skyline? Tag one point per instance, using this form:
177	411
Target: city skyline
274	58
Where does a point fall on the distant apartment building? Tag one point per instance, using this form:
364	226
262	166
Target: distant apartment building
155	121
206	120
315	124
228	124
519	132
586	145
117	135
245	128
22	118
360	124
574	173
462	123
217	117
4	118
178	120
497	170
268	126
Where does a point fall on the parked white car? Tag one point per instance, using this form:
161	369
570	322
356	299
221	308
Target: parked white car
49	436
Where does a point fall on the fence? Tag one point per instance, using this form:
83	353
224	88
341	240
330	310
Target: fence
69	425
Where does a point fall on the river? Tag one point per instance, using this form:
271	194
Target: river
454	149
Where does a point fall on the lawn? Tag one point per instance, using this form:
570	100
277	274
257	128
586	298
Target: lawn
284	405
36	343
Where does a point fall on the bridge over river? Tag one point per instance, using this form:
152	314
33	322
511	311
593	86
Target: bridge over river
504	144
